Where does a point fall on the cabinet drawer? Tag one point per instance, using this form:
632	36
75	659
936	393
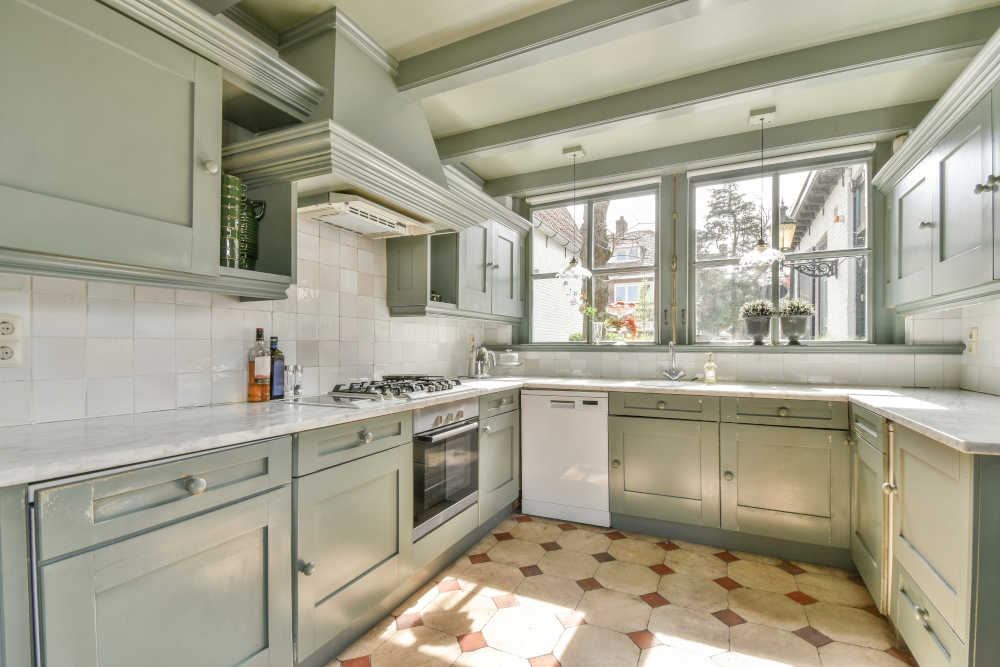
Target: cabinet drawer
922	626
326	447
497	404
83	514
781	412
665	406
869	426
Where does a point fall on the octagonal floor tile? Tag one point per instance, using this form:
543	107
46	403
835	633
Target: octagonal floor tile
767	608
584	541
846	655
490	657
371	640
693	631
459	612
850	625
762	577
524	631
695	564
753	644
516	552
833	589
569	564
669	656
693	592
614	610
490	579
417	647
557	594
593	646
636	551
627	577
536	531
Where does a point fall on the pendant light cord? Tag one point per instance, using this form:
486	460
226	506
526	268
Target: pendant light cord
762	179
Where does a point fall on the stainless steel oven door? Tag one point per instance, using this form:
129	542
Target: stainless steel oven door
445	474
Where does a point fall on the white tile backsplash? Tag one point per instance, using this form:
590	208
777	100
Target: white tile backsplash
94	348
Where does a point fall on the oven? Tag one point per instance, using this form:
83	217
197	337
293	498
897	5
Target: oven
445	464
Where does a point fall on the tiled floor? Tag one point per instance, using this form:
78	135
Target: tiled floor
540	592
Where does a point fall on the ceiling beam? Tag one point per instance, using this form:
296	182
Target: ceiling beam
817	134
952	37
567	28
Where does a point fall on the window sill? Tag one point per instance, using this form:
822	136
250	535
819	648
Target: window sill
744	348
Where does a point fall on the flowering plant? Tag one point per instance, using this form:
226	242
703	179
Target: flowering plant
793	307
756	308
621	316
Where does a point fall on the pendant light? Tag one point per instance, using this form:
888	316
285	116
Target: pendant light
762	255
574	270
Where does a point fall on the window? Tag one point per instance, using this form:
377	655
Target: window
614	237
822	227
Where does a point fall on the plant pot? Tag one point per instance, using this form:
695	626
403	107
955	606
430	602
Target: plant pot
793	327
757	328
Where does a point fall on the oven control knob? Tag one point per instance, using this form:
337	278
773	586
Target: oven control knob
450	418
459	414
438	420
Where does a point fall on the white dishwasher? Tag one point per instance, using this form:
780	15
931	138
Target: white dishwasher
564	452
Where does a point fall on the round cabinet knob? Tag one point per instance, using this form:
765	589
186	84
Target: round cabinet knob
307	568
616	464
449	418
367	436
728	476
196	486
782	412
487	429
889	489
459	414
438	420
210	166
661	405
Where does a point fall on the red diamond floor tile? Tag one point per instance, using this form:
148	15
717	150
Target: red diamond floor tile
522	519
472	641
643	639
531	570
813	636
589	584
544	661
728	583
667	546
475	559
661	569
408	621
503	536
801	597
615	535
363	661
449	585
654	600
726	557
551	546
505	601
729	617
603	557
567	526
791	569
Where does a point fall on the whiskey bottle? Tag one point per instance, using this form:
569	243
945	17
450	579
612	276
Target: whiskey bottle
277	370
259	381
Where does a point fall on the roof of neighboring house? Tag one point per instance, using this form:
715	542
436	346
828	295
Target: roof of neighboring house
560	222
812	197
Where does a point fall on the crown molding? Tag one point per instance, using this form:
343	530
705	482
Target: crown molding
253	25
975	81
251	60
324	147
336	19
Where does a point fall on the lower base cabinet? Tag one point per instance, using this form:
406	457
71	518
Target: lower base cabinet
868	470
353	542
499	463
787	483
665	469
209	590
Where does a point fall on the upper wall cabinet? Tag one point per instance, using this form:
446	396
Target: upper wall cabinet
473	273
112	139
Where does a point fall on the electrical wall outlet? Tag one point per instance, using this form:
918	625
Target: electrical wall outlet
11	350
10	326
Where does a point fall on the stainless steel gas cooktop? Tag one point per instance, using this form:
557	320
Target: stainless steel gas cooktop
391	388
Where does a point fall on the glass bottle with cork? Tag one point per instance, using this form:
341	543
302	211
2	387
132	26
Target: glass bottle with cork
259	380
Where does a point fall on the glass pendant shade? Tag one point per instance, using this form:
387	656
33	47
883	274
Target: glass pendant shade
573	270
761	255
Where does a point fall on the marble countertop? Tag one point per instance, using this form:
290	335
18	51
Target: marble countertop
37	452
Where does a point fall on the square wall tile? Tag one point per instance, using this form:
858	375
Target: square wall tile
154	320
65	286
192	321
15	403
109	396
108	318
229	387
193	356
117	291
155	392
58	358
59	314
52	400
194	389
155	294
109	357
153	356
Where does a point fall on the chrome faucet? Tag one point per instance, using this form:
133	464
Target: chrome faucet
675	372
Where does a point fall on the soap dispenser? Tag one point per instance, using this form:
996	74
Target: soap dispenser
711	370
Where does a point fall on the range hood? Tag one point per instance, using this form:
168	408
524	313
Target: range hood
357	214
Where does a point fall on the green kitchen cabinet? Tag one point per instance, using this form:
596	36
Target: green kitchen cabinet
786	482
499	463
909	254
112	140
507	268
868	469
353	542
665	469
15	580
214	590
490	265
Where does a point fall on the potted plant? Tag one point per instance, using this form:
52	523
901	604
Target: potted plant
795	314
757	315
621	318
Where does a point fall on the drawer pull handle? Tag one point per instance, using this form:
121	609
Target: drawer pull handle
616	464
504	401
210	166
927	224
661	405
729	476
196	486
307	568
889	489
782	412
367	436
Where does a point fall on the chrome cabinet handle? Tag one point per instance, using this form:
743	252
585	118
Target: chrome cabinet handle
210	166
889	489
990	185
926	224
782	412
729	475
196	486
616	463
504	401
307	568
849	442
367	436
662	405
487	429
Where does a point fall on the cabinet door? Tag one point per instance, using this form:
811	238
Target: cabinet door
932	523
784	482
212	590
665	469
475	250
963	238
910	236
114	125
868	468
508	253
499	463
353	525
